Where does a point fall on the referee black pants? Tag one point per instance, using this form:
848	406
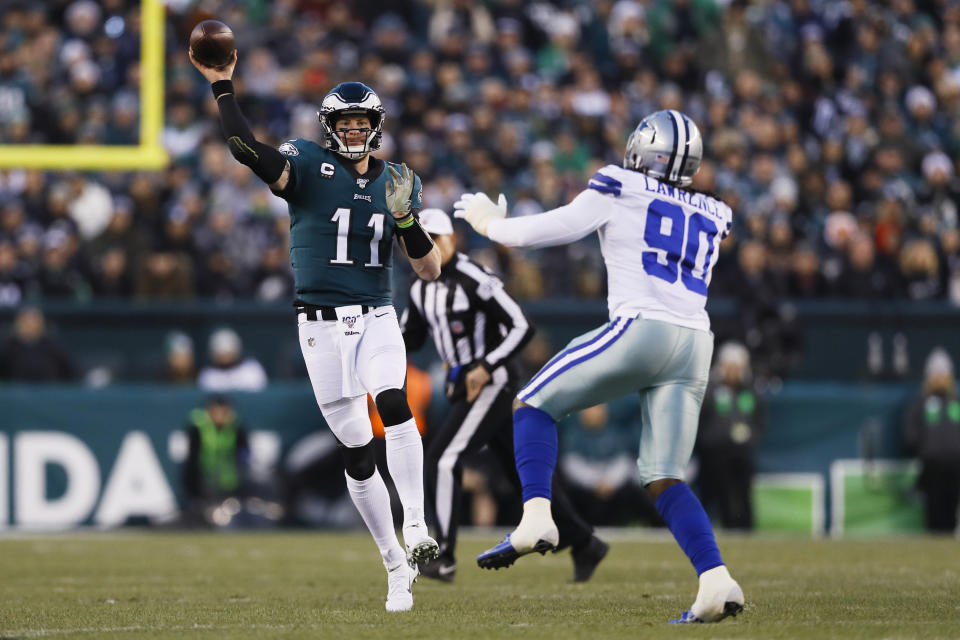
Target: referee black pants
488	420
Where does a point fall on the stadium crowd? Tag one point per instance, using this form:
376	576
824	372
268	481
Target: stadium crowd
830	128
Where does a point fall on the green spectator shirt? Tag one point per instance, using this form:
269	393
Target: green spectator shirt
341	231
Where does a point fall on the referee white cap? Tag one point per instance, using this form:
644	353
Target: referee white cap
436	222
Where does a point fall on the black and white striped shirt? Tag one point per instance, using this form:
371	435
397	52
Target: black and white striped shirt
468	314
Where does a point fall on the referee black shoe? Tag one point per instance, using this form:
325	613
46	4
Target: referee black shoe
440	569
586	558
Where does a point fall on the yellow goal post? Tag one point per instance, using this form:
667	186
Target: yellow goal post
149	154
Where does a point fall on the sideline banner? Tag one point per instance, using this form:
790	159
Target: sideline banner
72	456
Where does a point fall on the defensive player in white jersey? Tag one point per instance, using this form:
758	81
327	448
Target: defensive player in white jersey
659	243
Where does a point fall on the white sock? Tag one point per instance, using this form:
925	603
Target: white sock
716	589
535	525
405	461
373	502
539	509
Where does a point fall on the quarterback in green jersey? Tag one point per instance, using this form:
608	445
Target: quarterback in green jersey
346	208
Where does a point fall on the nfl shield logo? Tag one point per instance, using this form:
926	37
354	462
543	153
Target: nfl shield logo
362	182
350	321
456	326
311	342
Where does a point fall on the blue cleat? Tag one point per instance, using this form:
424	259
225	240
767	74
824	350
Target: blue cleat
686	618
504	554
730	609
719	597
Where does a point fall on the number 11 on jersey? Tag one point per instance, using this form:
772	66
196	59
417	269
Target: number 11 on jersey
342	219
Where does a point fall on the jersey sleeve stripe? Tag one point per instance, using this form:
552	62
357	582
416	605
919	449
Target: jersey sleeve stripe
607	180
605	184
615	191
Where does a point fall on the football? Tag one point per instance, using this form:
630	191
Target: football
212	43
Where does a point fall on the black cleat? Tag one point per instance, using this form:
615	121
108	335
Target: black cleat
440	569
586	559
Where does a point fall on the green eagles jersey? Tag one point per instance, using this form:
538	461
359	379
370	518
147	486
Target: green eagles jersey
341	231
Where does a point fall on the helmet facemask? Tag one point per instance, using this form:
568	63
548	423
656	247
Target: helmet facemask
335	138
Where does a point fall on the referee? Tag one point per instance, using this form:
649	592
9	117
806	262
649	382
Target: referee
478	330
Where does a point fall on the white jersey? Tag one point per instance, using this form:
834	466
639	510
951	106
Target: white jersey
659	242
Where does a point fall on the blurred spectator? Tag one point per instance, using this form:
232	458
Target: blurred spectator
273	279
940	193
229	370
950	247
598	462
180	364
91	205
169	269
862	277
117	253
806	280
60	274
165	275
731	423
13	285
31	355
920	267
932	434
462	19
217	461
183	131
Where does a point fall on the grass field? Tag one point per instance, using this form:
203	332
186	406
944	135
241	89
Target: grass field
316	585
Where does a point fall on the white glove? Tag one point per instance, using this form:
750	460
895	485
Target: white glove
479	210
